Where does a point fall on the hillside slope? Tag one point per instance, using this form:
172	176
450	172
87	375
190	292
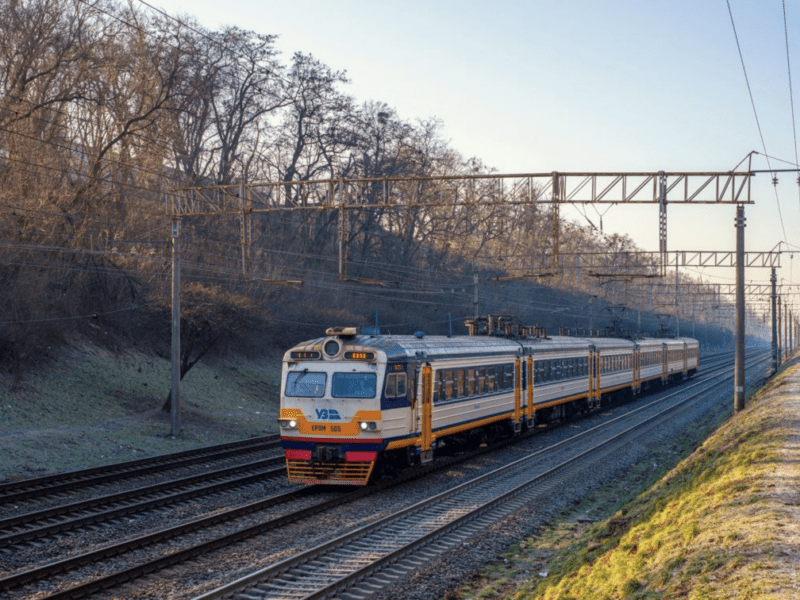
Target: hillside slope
95	407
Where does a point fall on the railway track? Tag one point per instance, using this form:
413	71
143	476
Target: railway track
58	519
192	550
63	483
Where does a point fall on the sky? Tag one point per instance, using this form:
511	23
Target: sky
576	85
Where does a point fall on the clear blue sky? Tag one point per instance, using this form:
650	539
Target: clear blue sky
577	85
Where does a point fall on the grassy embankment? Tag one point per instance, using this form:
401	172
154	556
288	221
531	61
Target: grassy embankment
93	408
714	526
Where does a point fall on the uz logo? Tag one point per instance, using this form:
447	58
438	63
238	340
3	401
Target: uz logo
327	413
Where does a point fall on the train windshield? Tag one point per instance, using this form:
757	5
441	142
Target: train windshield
354	385
306	384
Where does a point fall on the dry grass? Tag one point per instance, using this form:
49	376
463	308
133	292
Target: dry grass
719	525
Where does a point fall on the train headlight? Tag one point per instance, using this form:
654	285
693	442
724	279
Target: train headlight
332	348
369	425
288	424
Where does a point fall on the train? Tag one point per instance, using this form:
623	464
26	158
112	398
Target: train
351	401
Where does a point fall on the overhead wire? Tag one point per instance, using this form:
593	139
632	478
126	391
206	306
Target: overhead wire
755	113
791	93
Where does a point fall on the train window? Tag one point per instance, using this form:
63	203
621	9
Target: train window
481	374
460	383
470	382
448	385
305	384
438	387
508	376
490	379
396	386
354	385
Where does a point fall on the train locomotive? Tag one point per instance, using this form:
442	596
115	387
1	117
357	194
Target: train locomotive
351	401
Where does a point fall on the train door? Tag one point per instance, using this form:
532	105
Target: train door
685	361
664	363
529	405
426	409
598	390
637	369
594	377
518	382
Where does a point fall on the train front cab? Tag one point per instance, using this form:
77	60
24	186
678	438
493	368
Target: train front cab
331	419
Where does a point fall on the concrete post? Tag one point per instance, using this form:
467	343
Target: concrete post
175	408
774	280
739	373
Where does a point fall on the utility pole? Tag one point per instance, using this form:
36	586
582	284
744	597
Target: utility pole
774	280
780	333
662	220
786	331
677	322
475	295
245	193
175	407
738	378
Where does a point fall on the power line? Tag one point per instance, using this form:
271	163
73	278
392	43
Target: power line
80	317
755	113
791	94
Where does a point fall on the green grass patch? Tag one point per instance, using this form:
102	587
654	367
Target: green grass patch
96	408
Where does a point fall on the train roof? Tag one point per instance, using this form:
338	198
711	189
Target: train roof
408	346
